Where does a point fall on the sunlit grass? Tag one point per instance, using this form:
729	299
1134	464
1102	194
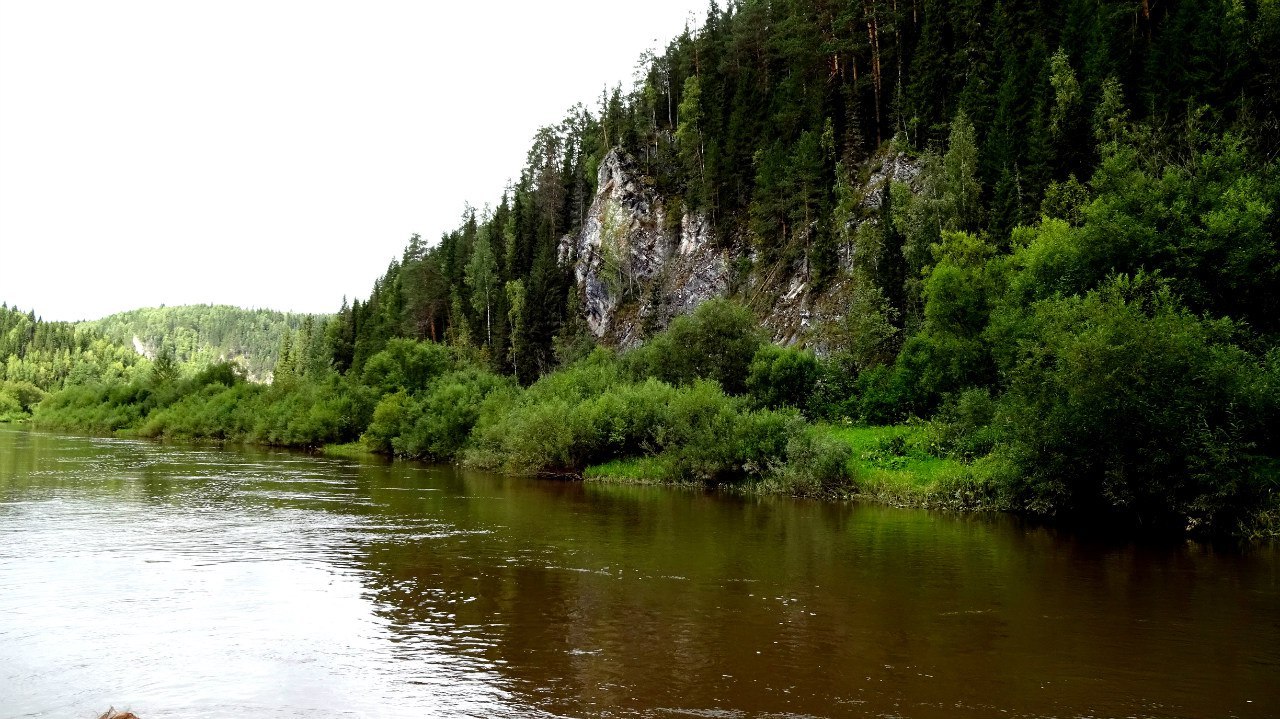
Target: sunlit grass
895	462
632	470
348	450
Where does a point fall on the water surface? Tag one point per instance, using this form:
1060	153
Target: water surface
201	582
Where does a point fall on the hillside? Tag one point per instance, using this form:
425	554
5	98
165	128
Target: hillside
204	334
38	357
1016	255
1051	227
820	149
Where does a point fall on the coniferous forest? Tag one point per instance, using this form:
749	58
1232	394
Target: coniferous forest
1068	308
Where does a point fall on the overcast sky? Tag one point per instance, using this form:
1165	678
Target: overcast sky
273	154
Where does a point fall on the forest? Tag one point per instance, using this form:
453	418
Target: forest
38	357
1069	312
205	334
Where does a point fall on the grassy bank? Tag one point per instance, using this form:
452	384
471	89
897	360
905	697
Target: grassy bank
890	463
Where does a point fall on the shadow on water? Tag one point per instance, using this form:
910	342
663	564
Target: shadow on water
447	592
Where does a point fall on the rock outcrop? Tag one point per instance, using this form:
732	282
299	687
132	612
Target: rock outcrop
638	267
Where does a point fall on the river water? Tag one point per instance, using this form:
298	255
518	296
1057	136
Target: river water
200	582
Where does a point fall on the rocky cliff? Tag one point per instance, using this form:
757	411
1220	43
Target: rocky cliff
638	267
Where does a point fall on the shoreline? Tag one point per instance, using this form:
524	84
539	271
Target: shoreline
947	485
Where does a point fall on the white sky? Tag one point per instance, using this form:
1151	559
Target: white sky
274	154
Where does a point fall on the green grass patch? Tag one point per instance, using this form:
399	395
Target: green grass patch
347	450
632	470
896	463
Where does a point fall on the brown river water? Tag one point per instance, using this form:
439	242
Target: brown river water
189	582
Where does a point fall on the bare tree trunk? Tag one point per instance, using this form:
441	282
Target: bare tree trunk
873	36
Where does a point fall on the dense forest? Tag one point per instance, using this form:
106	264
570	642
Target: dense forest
204	334
763	117
1070	310
38	357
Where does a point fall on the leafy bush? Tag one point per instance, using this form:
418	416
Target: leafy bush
439	423
693	433
717	342
407	365
965	424
10	407
96	408
1134	408
392	413
214	411
26	394
782	377
816	464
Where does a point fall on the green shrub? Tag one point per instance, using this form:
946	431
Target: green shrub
883	395
25	393
964	427
390	417
1133	408
694	433
439	423
10	408
782	377
816	464
717	342
407	365
835	389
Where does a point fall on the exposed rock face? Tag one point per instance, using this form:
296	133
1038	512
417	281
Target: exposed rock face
785	300
637	268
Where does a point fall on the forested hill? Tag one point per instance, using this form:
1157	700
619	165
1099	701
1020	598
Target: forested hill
1041	238
1049	226
204	334
37	357
766	122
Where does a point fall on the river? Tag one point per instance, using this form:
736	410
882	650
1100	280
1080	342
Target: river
190	582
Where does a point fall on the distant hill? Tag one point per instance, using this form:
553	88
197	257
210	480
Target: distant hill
200	334
37	356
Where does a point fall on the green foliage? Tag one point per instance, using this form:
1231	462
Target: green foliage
717	342
782	377
52	355
438	423
593	412
24	395
816	464
965	426
10	408
1130	405
297	414
949	352
961	187
165	368
95	408
197	335
407	365
866	333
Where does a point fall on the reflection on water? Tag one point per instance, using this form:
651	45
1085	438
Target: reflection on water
190	582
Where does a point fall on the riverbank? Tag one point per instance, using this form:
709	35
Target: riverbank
888	464
719	406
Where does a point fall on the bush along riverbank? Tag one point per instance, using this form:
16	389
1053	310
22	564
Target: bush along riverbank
709	402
